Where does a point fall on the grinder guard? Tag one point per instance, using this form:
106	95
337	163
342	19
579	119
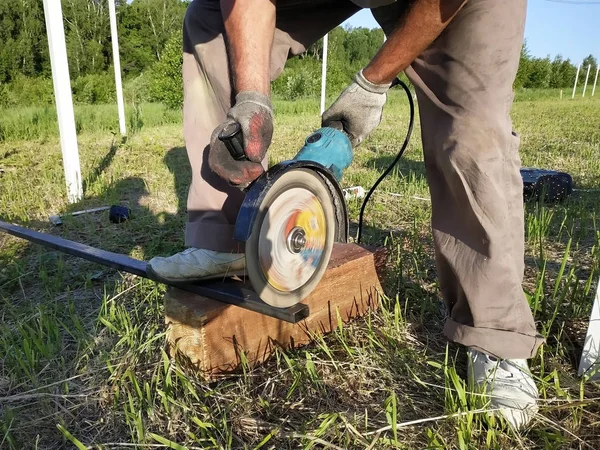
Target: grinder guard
292	215
257	191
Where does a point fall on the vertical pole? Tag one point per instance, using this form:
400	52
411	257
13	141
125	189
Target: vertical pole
586	80
62	96
576	78
324	72
117	63
595	80
590	356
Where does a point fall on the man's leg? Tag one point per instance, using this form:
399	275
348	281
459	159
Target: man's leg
464	88
213	204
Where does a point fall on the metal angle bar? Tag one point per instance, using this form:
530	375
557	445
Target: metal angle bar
232	292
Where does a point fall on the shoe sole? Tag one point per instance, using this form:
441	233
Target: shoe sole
156	277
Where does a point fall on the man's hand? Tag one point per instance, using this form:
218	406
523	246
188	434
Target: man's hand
358	108
249	30
254	113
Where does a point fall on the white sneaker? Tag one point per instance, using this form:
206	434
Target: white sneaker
507	383
195	264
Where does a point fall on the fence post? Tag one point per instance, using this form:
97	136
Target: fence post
324	72
63	98
595	80
586	80
576	78
117	63
590	357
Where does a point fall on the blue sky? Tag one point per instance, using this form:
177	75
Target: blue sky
571	30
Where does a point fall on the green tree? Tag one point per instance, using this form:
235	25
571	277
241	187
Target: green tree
589	61
524	67
166	82
23	48
563	73
87	35
136	52
540	73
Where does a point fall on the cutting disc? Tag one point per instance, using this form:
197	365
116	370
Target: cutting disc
291	239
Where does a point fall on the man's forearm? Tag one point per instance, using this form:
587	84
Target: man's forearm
421	25
250	26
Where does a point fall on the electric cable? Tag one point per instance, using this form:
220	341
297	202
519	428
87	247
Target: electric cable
411	121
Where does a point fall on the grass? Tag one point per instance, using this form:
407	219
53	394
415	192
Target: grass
82	360
39	122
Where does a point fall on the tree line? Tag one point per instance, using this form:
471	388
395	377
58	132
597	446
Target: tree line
150	51
144	27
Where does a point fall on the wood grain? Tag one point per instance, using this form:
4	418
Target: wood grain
211	336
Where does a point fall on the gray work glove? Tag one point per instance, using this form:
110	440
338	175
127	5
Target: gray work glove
254	112
358	108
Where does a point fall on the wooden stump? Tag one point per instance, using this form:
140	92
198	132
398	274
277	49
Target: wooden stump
211	336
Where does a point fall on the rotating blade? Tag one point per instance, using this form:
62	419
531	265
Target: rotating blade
292	238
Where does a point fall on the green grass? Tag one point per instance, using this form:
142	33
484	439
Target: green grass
39	122
82	360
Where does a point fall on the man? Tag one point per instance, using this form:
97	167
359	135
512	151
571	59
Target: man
461	57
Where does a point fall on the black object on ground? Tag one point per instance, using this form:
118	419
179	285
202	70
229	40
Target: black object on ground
546	185
231	291
118	214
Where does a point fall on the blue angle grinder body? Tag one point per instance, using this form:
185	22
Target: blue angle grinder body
291	216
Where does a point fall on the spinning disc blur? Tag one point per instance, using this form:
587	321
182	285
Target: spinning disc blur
292	238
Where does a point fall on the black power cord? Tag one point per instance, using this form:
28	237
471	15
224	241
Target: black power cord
400	153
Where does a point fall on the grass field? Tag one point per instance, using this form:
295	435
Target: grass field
82	360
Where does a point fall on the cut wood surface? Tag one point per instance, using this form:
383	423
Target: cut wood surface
211	336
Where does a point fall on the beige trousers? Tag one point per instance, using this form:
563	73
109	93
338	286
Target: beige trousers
464	89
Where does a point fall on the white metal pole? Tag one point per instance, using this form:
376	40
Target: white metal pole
117	63
590	356
595	80
62	95
586	80
576	78
324	73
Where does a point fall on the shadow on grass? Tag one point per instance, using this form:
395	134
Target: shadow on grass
143	236
405	166
101	167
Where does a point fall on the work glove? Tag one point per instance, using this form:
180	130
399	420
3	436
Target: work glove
358	108
254	112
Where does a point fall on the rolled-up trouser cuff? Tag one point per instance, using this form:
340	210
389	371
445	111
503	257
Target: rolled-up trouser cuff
212	236
500	343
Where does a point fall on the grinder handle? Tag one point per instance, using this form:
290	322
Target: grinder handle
231	135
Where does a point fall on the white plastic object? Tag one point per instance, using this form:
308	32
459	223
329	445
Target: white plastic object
590	357
354	192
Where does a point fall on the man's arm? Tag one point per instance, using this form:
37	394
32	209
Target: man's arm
250	26
422	24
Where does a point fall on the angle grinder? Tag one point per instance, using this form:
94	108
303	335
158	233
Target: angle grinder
292	214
